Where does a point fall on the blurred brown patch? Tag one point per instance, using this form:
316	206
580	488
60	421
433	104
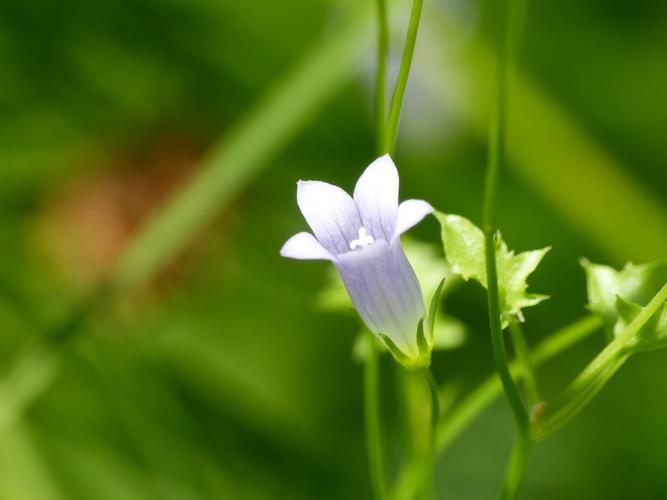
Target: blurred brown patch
87	224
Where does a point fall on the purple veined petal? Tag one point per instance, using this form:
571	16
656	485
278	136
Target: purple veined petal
304	246
385	292
410	213
376	195
331	213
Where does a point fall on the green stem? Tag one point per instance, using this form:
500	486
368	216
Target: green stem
478	400
428	488
373	423
435	397
381	73
516	466
523	439
402	78
523	358
598	372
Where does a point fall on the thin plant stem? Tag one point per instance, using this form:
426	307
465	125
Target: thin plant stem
381	74
434	392
523	439
496	157
402	78
523	358
516	466
453	424
374	442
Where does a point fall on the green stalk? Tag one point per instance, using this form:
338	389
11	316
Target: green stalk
523	439
523	358
402	78
481	398
432	385
516	466
373	426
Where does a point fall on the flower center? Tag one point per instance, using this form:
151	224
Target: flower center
364	240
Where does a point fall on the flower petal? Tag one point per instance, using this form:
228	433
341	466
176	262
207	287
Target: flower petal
410	213
385	292
376	195
304	246
331	213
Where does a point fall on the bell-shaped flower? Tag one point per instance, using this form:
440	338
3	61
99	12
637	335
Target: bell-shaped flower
361	236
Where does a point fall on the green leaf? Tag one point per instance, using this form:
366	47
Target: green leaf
464	250
619	296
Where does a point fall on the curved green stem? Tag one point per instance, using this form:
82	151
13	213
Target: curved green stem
402	78
453	424
523	358
590	381
373	423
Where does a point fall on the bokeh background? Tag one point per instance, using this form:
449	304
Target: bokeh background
210	371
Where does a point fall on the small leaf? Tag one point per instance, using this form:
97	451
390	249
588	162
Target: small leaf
464	250
619	296
421	361
423	344
464	247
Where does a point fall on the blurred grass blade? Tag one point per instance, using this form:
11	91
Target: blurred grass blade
23	472
31	374
245	152
232	164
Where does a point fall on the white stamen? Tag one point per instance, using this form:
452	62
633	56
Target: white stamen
364	240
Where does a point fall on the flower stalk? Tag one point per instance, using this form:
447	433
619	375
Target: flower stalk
374	442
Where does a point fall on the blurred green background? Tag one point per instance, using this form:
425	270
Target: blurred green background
211	372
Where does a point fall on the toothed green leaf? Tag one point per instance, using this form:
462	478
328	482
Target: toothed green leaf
464	250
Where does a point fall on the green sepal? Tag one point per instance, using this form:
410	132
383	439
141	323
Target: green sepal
433	310
410	363
423	344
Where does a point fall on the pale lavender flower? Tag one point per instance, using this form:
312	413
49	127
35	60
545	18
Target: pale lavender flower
361	236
